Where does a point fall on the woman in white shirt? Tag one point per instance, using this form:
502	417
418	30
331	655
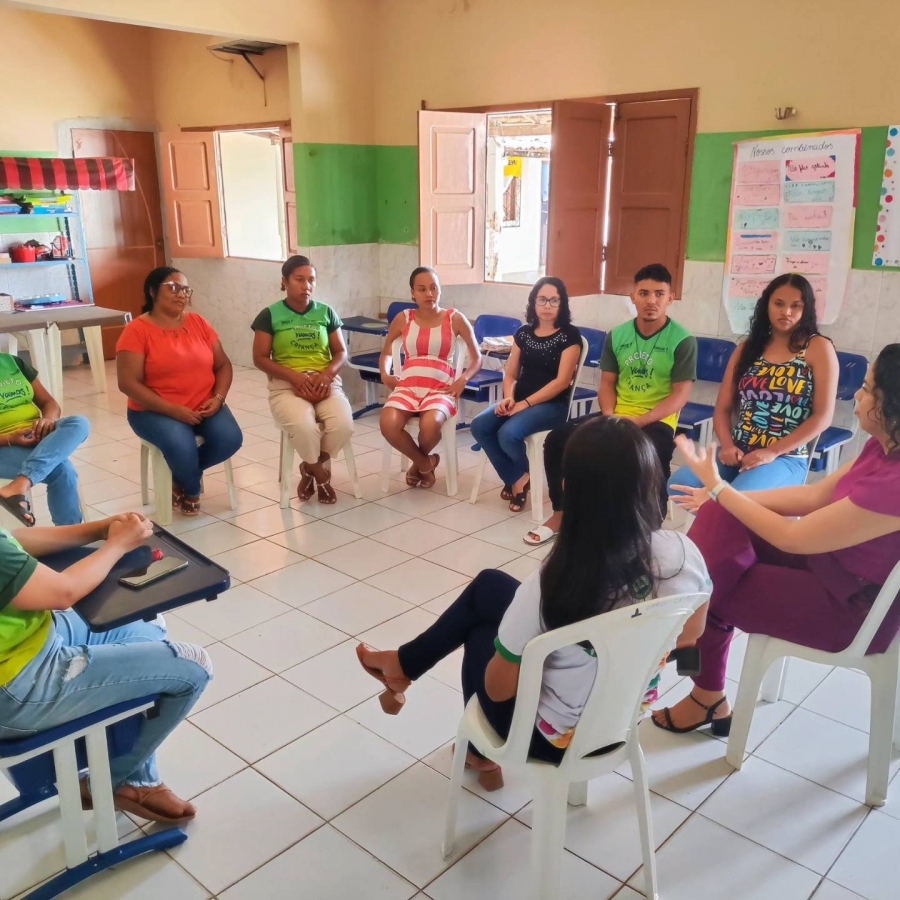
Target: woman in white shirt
610	553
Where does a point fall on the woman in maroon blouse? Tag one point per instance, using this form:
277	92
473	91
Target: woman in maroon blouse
809	580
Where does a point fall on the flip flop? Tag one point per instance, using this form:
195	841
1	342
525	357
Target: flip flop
427	479
19	506
543	533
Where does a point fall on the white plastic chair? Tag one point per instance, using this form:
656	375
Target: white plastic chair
629	644
287	464
151	456
770	655
534	447
448	430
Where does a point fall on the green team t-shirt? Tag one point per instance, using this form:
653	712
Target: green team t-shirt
648	367
17	407
22	632
299	340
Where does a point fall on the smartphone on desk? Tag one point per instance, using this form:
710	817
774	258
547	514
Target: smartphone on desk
153	571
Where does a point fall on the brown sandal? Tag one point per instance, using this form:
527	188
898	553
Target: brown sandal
413	478
326	492
190	506
177	495
307	486
427	479
148	803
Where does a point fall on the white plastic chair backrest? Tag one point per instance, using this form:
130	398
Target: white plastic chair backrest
585	349
883	602
458	356
629	643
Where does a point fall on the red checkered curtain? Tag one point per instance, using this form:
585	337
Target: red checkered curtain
31	173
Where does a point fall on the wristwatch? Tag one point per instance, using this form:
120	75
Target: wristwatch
714	493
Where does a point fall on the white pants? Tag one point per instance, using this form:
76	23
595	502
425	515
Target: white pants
313	428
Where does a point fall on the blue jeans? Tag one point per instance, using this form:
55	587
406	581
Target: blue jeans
49	462
786	471
503	437
79	672
222	438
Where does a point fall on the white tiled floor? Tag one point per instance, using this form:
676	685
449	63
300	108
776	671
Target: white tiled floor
305	788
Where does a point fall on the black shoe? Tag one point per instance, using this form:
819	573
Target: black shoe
718	727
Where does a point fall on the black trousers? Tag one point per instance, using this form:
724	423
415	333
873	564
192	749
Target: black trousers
661	436
472	622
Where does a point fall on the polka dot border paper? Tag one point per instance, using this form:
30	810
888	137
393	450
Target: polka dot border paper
887	235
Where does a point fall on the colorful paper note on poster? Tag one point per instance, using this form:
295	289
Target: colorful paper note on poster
887	236
793	208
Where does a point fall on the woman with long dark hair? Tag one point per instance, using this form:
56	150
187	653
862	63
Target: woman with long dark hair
176	375
803	564
599	563
777	395
536	383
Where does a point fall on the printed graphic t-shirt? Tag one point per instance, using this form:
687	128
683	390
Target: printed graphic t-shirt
178	362
648	366
22	632
17	406
299	340
539	359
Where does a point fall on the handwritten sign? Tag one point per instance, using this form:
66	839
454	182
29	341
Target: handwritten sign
742	264
756	218
748	287
809	216
809	192
810	168
793	206
805	263
757	194
759	172
750	242
807	240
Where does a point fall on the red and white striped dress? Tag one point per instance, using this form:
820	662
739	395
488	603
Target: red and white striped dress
427	368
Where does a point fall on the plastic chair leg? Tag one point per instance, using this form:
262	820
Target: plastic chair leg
350	463
745	704
145	474
479	474
448	436
548	835
773	684
535	451
386	466
285	464
101	789
162	488
578	793
645	819
229	480
70	803
881	729
456	779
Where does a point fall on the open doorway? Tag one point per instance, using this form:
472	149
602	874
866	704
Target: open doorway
517	183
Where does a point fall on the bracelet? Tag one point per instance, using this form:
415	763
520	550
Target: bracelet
714	493
220	398
527	402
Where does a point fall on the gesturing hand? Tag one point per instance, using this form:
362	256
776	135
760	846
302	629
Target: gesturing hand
701	462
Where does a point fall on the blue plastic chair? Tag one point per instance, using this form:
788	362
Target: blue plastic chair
584	397
48	763
712	361
851	374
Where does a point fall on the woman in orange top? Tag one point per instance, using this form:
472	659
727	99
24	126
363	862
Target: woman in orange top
176	375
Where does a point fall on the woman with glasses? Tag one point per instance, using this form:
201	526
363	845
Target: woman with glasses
540	370
176	375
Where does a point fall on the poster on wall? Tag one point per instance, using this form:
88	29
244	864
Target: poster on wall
793	206
887	235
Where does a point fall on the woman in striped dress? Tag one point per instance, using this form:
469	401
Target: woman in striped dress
427	385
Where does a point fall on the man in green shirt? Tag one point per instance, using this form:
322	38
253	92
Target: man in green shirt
648	366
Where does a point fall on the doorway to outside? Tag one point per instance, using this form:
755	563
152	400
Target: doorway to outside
123	229
518	191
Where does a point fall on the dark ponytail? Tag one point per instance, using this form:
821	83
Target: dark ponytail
152	283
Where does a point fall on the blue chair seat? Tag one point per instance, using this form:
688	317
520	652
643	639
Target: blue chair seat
583	393
830	439
693	414
365	360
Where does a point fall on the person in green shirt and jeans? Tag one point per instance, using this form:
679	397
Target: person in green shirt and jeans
648	367
299	345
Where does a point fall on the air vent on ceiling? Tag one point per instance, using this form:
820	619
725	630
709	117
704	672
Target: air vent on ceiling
244	48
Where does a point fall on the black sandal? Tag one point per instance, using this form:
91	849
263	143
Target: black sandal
506	493
719	727
520	500
19	506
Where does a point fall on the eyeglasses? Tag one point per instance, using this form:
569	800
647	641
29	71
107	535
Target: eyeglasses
547	301
177	288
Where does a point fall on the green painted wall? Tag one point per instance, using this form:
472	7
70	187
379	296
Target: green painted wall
397	192
711	191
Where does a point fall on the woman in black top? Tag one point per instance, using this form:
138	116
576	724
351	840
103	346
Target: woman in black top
540	370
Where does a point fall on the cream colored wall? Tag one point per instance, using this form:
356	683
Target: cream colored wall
66	69
831	59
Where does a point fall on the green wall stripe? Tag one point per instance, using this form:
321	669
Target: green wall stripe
397	191
711	192
336	199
